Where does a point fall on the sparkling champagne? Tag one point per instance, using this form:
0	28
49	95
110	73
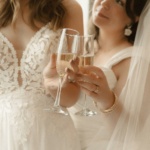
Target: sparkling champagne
86	60
63	62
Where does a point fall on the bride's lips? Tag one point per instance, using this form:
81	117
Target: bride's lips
102	15
100	12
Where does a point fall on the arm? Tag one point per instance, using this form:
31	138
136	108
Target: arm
121	71
74	15
91	77
73	19
70	91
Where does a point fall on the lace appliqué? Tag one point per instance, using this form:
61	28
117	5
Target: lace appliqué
8	68
32	61
25	109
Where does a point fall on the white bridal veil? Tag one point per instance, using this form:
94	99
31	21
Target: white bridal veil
132	131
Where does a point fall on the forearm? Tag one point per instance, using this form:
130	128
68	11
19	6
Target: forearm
112	117
112	112
69	92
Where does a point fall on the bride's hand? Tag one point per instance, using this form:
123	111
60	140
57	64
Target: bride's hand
71	73
93	81
51	80
50	76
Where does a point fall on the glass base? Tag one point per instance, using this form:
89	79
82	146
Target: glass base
59	110
86	112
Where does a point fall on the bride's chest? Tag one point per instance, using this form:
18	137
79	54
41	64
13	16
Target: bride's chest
30	57
24	71
26	66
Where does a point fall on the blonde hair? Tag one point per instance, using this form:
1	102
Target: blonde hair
41	10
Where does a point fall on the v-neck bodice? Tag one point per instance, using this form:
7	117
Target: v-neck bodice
32	62
25	122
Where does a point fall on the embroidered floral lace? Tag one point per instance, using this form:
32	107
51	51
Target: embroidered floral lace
22	104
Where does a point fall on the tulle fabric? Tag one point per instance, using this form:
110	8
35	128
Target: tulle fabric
27	124
132	129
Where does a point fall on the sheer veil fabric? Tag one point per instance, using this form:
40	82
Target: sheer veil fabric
132	131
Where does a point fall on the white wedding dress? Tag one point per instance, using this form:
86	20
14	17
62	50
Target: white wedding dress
24	122
93	131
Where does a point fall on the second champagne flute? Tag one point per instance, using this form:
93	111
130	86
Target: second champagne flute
66	51
86	56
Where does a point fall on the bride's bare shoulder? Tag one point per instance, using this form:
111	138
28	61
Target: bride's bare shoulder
72	3
74	15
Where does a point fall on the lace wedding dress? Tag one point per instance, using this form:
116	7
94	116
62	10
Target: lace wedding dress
24	123
93	131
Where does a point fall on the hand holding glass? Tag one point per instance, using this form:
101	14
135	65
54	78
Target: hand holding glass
86	55
67	50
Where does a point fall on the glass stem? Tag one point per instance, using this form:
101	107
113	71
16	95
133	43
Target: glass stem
85	103
57	101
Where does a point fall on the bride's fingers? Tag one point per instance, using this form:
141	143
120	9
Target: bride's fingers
71	76
90	93
74	64
52	62
89	78
87	86
94	70
50	69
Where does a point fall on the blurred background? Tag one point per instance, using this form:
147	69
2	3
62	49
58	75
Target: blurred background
86	6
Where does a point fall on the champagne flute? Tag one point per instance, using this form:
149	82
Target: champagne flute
86	56
67	50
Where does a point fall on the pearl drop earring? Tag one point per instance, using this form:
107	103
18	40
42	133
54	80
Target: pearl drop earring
128	31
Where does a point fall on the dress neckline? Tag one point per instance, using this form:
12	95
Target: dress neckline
117	56
30	41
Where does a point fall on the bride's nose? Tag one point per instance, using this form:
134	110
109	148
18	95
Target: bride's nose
106	3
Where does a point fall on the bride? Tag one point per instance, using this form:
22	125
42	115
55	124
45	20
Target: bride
29	31
123	121
125	124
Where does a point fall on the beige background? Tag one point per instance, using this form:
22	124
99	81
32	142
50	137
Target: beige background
85	6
